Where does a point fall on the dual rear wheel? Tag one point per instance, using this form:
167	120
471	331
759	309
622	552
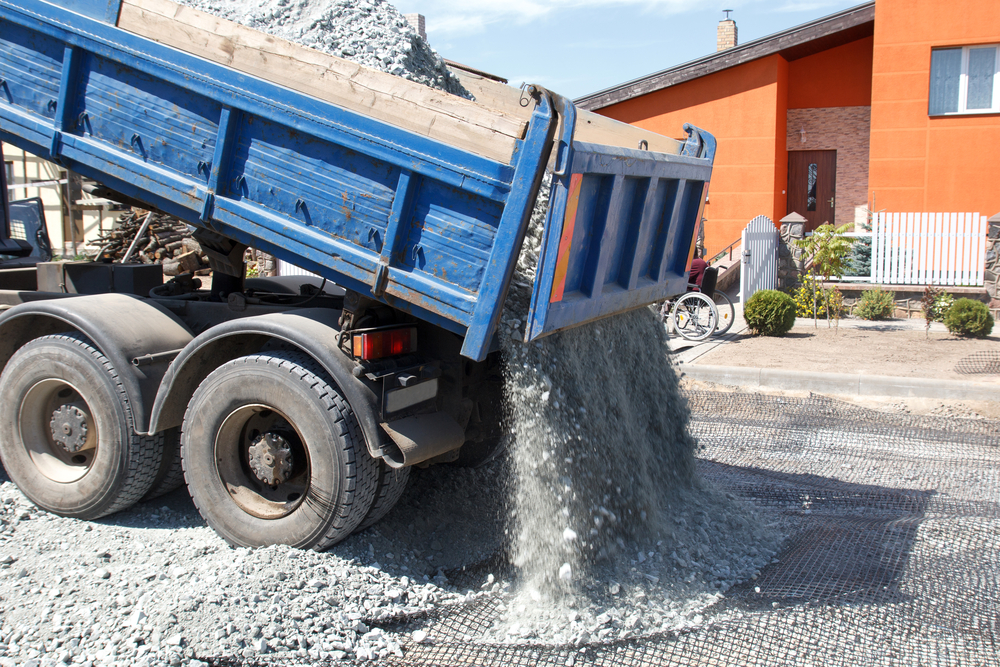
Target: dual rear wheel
271	451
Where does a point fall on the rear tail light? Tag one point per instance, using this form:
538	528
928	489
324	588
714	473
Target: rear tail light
385	343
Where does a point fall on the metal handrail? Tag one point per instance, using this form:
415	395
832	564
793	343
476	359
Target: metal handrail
728	249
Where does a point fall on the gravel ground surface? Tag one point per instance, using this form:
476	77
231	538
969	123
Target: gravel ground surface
154	585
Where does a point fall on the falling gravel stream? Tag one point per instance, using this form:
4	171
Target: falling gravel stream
604	491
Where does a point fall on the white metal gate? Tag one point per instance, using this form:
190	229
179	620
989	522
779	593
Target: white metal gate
760	257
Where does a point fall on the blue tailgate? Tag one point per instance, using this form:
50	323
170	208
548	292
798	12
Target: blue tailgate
620	229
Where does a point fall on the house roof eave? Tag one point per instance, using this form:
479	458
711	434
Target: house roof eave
797	42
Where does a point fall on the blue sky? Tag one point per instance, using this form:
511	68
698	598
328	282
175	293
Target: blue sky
576	47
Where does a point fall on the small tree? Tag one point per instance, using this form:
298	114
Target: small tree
827	249
860	261
931	295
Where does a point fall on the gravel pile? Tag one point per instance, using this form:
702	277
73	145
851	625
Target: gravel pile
613	534
155	586
369	32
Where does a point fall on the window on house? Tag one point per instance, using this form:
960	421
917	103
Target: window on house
965	80
811	188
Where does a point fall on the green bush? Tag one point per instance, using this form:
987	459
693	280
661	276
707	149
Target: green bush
769	313
876	304
942	304
826	300
969	318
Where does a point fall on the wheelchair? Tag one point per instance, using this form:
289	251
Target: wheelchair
700	312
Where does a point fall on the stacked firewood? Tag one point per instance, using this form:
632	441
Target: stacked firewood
167	241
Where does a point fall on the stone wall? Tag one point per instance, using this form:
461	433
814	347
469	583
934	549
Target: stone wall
845	130
791	264
908	298
993	262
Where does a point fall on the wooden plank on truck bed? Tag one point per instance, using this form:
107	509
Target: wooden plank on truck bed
590	127
436	114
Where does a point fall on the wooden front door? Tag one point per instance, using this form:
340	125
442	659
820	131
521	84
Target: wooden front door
812	181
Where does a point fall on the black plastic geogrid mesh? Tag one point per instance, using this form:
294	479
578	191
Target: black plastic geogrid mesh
894	557
984	362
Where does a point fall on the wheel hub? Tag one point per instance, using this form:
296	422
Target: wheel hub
69	425
271	459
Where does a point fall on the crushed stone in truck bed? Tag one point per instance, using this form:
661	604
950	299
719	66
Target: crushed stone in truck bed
368	32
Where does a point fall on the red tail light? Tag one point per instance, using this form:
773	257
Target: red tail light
386	343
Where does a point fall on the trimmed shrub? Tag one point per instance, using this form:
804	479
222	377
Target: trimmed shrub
876	304
769	313
969	318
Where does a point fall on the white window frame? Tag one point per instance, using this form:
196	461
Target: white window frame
963	82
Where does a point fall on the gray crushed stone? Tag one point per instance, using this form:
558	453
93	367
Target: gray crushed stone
368	32
155	586
614	533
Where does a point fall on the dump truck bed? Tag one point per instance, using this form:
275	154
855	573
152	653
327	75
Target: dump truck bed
406	195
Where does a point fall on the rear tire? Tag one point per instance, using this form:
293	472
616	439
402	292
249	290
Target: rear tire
391	485
170	476
273	454
66	431
726	310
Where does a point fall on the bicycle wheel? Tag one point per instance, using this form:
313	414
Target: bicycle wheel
727	313
694	316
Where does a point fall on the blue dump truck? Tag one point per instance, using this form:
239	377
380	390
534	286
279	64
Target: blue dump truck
293	408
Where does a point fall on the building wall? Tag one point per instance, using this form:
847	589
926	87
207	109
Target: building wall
918	162
845	130
744	107
837	77
26	169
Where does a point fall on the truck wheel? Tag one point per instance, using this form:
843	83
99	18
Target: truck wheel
391	484
66	434
171	473
273	454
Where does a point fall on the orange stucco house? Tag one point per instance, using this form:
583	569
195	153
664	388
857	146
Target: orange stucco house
892	104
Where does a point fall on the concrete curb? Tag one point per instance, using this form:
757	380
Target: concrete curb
842	383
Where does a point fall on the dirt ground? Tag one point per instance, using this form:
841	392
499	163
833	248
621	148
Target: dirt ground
873	349
870	349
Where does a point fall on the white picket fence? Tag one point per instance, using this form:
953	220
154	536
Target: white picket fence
928	248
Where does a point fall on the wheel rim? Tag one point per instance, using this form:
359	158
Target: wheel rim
58	430
694	317
262	461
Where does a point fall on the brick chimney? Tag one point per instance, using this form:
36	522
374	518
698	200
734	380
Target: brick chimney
726	33
419	24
